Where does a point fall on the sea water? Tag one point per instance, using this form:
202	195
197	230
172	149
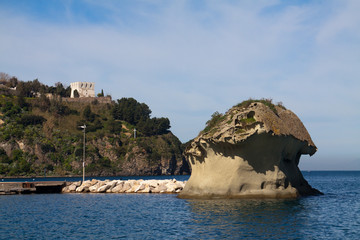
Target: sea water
334	215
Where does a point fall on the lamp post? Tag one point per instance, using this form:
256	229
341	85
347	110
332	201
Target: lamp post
83	127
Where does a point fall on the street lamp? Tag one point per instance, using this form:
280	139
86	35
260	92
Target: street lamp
83	127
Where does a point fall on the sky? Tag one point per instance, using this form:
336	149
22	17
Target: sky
188	59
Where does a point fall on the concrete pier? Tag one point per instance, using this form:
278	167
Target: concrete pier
9	188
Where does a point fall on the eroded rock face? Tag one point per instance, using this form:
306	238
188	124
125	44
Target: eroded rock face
251	151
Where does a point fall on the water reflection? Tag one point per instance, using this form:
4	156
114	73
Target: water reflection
239	218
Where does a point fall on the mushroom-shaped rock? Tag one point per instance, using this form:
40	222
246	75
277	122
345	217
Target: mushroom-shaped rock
253	150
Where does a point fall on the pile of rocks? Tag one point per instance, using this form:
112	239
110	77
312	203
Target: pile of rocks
128	186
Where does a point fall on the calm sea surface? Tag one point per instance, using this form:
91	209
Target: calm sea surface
335	215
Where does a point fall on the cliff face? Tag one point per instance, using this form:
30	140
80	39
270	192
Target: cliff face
251	151
157	155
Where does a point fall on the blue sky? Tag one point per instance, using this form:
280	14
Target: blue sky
188	59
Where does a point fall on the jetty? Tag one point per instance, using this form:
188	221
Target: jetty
10	188
94	186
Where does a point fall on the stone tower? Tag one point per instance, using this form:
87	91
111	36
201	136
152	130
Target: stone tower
85	89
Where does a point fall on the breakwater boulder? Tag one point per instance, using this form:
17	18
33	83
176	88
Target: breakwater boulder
125	186
251	151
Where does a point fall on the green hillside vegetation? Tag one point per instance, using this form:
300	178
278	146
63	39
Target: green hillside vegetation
266	101
39	134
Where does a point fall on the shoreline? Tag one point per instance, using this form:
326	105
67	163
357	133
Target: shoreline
80	176
94	186
125	176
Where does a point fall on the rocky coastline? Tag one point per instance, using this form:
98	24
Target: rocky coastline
125	186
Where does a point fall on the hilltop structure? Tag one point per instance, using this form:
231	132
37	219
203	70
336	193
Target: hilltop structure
85	89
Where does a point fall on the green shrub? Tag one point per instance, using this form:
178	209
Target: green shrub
216	118
153	126
114	126
10	110
104	162
49	167
4	157
67	165
43	103
248	120
17	155
56	158
30	119
47	147
4	168
88	114
58	108
79	152
266	102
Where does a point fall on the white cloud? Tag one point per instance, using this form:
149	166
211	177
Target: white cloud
187	62
343	22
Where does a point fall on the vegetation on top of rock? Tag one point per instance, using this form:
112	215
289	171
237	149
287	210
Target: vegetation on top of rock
248	120
216	118
266	101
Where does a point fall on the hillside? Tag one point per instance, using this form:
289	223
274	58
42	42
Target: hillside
40	134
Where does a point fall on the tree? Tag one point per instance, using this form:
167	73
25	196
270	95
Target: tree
154	126
21	102
163	125
4	157
60	90
35	86
58	108
114	126
30	119
43	103
67	92
101	94
28	89
138	114
10	110
88	114
131	111
22	89
4	78
13	82
7	80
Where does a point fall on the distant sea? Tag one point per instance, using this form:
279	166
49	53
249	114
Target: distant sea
335	215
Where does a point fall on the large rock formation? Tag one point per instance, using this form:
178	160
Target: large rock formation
251	151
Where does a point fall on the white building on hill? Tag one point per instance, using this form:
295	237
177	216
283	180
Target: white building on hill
85	89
